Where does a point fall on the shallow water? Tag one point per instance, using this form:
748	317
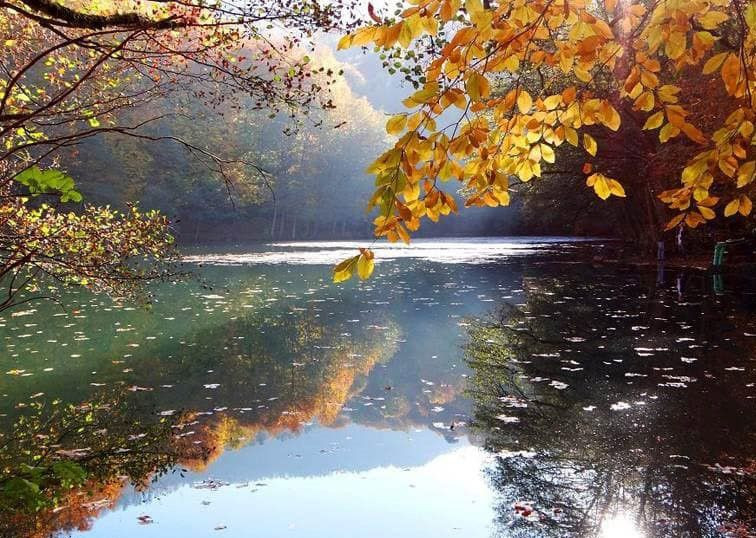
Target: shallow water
471	388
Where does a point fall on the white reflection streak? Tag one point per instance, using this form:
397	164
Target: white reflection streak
329	252
620	526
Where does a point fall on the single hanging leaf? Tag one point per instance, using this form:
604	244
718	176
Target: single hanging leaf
714	63
344	270
745	206
395	124
524	102
745	173
732	208
731	73
590	145
365	266
654	121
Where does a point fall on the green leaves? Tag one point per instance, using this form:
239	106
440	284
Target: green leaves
49	181
69	474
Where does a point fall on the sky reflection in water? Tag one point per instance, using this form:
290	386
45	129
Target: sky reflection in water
297	408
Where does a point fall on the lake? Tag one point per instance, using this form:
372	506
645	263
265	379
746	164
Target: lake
473	388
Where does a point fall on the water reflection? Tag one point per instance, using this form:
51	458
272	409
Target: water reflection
617	408
279	404
63	465
271	375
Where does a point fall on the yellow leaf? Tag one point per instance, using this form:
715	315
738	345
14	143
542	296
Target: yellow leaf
365	266
616	188
344	270
473	6
745	173
364	36
645	102
345	42
405	34
501	196
732	208
601	186
711	19
667	132
745	205
395	124
589	143
552	101
477	86
547	152
654	121
524	102
714	63
571	136
675	45
750	15
603	29
706	212
613	120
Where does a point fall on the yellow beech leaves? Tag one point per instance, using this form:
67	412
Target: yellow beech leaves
605	186
507	90
363	264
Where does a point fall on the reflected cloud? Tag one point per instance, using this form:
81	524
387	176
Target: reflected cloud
448	251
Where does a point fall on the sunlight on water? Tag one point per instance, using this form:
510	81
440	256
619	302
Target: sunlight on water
620	526
468	251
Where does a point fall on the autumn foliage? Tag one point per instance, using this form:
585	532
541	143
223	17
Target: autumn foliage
512	85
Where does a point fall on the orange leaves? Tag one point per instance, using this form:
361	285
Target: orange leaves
742	204
731	71
530	76
731	75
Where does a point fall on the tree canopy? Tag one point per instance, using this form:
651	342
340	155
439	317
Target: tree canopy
71	70
506	90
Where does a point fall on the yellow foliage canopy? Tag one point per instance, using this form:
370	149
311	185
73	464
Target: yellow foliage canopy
592	58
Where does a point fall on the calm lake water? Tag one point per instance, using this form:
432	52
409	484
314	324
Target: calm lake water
471	388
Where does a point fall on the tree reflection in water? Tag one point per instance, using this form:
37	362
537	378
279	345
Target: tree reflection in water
618	409
61	464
